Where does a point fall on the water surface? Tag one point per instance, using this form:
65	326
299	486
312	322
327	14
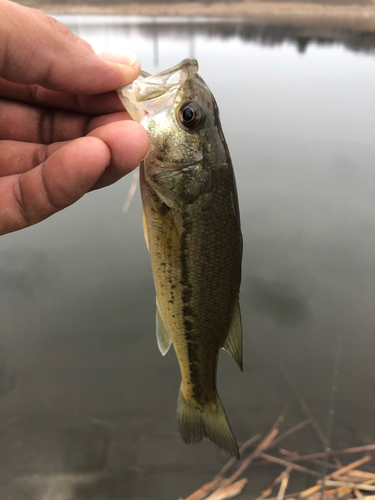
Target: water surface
88	404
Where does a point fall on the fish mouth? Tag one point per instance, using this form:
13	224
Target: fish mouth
149	95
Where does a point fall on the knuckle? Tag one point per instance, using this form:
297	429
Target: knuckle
33	92
20	202
39	155
46	126
51	203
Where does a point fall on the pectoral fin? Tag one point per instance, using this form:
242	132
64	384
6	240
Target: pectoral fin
233	342
162	334
164	193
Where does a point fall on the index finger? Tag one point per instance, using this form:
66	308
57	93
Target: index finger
39	49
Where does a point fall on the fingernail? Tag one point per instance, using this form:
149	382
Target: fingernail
128	58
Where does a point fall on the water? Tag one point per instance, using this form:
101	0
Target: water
87	407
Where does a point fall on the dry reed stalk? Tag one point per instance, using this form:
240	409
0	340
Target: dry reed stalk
284	483
228	491
314	491
209	488
343	482
363	474
267	491
345	451
245	464
204	490
322	464
358	494
362	486
220	482
348	479
131	192
287	453
350	467
310	497
291	465
342	486
267	441
340	491
335	493
290	495
232	461
291	431
315	461
310	491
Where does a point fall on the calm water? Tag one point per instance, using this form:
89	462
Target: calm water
88	405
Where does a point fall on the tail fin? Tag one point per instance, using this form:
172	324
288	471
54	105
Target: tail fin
195	424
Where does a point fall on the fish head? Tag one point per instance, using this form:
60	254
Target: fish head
180	114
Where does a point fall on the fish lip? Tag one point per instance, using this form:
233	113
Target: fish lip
148	95
190	64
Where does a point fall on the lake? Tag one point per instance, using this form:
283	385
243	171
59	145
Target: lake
88	404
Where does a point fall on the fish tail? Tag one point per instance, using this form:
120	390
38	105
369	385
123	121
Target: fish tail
195	423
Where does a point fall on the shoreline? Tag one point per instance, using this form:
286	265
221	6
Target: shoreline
339	17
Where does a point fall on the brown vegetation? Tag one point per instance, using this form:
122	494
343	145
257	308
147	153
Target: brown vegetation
352	15
335	481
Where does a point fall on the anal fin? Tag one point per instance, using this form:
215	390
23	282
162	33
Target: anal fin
162	334
233	342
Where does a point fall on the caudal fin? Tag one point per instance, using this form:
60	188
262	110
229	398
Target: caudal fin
195	424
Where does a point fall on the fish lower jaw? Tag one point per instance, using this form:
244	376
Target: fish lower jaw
156	164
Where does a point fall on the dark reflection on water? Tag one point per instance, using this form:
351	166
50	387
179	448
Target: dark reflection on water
265	34
278	301
87	403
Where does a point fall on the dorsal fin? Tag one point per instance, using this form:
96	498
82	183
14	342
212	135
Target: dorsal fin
162	334
233	342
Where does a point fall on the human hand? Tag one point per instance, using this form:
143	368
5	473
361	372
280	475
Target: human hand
62	131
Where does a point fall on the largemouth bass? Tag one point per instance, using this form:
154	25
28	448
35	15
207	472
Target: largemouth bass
192	229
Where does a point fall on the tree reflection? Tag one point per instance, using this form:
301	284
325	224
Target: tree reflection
269	35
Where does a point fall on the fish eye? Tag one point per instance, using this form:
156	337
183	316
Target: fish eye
190	115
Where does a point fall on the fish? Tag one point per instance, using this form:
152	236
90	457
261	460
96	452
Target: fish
192	229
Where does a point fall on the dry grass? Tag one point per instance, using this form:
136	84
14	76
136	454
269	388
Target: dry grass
344	14
344	482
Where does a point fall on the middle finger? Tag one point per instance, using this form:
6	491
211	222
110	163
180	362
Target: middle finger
24	122
20	156
28	123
